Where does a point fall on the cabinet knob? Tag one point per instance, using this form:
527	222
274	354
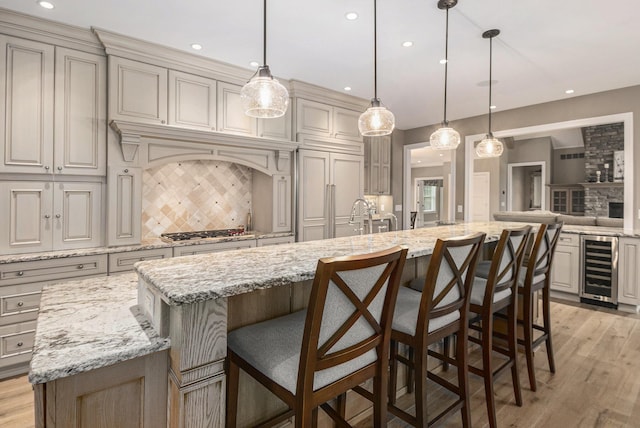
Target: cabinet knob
80	266
58	216
126	171
20	304
46	167
141	259
59	168
47	216
20	273
19	344
163	121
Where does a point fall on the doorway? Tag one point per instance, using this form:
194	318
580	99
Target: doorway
526	186
429	201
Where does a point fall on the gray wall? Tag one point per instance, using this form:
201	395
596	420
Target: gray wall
568	171
534	150
600	104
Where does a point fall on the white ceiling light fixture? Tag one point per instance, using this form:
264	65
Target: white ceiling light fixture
196	46
407	44
490	146
254	64
46	4
376	121
569	91
347	88
351	16
445	138
263	96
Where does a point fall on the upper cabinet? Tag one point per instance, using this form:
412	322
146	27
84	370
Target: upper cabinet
327	121
377	160
26	113
231	117
137	91
192	101
40	83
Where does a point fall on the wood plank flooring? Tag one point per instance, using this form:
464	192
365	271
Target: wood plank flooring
597	383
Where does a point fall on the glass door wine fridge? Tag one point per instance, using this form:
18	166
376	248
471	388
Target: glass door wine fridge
599	270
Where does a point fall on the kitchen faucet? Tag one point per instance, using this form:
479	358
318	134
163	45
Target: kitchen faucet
367	207
395	220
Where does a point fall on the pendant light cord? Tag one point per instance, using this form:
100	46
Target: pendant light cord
446	65
264	33
490	78
375	50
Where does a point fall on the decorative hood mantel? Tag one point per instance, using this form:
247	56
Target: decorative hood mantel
149	145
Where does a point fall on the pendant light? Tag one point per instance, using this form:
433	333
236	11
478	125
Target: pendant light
445	138
490	146
263	96
376	120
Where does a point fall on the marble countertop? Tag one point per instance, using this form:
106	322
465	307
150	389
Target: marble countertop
87	324
202	277
148	244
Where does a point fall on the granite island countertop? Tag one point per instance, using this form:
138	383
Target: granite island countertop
187	280
88	324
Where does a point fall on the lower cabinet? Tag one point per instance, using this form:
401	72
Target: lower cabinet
213	247
131	394
565	271
123	262
275	241
629	271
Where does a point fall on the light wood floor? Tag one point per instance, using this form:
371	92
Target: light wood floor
597	383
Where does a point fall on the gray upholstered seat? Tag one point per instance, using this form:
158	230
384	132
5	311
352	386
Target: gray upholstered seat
273	347
479	287
482	269
407	306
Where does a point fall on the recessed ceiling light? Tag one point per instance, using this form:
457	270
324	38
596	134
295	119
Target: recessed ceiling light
351	16
441	155
569	91
443	61
407	44
419	161
46	4
196	46
492	107
347	88
254	63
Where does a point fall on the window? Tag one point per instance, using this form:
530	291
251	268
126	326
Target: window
429	196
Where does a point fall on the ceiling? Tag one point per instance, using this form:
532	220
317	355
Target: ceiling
545	46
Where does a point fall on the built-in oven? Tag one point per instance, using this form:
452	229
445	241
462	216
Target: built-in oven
599	270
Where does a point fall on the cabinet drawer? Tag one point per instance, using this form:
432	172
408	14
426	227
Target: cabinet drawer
275	241
569	239
19	303
121	262
213	248
49	270
16	342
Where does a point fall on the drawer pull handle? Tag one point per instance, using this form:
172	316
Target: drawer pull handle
47	216
20	273
20	304
19	344
141	259
80	266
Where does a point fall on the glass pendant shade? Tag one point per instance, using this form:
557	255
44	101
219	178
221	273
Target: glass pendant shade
376	121
489	147
263	96
445	138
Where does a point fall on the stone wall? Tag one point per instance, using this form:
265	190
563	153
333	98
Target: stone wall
599	143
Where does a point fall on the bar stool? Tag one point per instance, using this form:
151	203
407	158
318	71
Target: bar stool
424	318
538	277
498	292
342	339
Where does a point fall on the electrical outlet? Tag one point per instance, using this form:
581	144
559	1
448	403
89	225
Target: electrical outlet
459	208
398	208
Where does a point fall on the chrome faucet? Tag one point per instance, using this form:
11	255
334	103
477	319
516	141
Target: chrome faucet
367	208
395	220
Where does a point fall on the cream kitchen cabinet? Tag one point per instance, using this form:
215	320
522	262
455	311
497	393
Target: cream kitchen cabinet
629	271
272	210
329	184
123	262
43	85
26	110
192	101
280	240
124	206
137	91
326	120
233	120
213	247
565	272
50	216
377	165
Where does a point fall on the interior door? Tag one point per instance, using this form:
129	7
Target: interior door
480	196
313	214
347	174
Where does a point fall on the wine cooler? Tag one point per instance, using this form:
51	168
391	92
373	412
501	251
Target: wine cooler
599	270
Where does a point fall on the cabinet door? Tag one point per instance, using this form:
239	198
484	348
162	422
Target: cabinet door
278	128
314	118
345	124
231	117
347	174
80	113
385	166
137	91
313	195
629	271
26	110
565	271
77	215
192	101
124	202
281	203
560	201
26	208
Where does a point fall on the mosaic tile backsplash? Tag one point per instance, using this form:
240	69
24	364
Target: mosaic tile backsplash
194	195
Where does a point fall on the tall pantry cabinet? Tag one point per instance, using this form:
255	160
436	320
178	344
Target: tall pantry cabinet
53	138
